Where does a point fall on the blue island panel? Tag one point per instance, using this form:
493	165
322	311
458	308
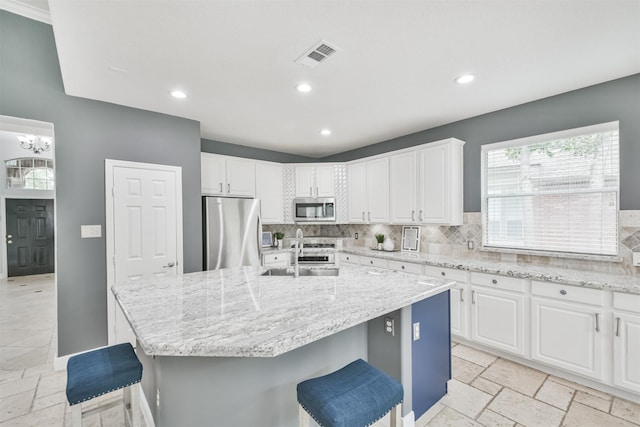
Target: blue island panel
431	354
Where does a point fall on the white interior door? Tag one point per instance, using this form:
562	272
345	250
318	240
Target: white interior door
144	230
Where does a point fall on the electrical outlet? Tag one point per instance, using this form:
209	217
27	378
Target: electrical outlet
636	259
389	326
157	398
416	331
356	236
470	245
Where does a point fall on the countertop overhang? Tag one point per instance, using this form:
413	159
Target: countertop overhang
236	312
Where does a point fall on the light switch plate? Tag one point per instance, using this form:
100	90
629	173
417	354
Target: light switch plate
416	331
636	259
90	231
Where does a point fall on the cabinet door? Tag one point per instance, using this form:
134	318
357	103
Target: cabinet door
241	177
626	351
212	174
269	191
304	181
498	319
357	192
458	312
567	335
378	190
325	181
434	185
402	188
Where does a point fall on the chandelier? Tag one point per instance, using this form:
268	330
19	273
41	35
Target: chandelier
35	143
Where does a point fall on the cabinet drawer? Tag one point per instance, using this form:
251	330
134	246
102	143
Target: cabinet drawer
498	282
348	258
445	273
275	259
408	267
624	301
374	262
567	293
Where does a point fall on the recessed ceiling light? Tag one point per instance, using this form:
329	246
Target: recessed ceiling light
304	87
326	132
178	94
465	78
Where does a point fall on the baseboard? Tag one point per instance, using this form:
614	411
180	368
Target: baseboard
146	410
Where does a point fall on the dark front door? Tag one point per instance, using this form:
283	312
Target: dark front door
29	236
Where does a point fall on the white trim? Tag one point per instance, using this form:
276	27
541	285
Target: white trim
26	10
109	166
409	420
145	409
563	134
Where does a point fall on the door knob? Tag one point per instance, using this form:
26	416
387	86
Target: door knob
171	264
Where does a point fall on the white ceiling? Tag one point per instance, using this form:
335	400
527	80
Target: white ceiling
393	74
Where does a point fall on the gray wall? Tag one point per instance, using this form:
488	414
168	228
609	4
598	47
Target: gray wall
86	133
606	102
217	147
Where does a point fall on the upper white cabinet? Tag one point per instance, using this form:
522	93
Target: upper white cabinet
270	192
227	176
567	327
368	191
315	181
426	184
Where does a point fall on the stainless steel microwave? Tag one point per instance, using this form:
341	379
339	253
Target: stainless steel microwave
320	209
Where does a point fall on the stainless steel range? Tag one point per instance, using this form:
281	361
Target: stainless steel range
316	253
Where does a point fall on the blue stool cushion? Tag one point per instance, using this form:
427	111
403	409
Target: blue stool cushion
355	396
101	371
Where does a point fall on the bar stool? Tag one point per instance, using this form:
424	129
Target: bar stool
102	371
357	395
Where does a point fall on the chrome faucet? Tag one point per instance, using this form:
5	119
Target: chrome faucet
296	267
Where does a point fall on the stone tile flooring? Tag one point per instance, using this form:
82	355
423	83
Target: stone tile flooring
486	390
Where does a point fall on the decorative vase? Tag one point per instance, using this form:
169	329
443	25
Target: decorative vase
379	246
279	244
388	244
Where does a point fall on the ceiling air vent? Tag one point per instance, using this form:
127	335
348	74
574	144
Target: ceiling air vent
318	53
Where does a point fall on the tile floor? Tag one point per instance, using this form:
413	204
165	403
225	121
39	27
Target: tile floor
485	391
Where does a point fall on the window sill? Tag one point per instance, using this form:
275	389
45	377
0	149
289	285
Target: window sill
568	255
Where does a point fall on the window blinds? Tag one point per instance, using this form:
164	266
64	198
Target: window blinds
553	193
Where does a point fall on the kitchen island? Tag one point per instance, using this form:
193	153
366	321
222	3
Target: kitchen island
227	347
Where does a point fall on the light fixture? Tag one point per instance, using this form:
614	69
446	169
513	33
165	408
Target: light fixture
326	132
304	87
178	94
464	79
35	143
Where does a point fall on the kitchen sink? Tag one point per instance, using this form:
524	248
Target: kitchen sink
303	272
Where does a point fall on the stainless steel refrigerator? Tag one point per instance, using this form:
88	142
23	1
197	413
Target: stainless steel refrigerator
232	232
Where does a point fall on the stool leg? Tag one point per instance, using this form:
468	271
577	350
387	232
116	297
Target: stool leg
76	415
394	416
135	404
303	417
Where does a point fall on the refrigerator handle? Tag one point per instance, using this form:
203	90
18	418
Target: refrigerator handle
259	239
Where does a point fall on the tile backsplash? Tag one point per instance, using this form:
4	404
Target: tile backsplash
453	241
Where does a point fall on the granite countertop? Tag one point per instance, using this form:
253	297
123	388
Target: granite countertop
590	279
236	312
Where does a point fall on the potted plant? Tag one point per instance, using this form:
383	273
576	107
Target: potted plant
278	236
380	240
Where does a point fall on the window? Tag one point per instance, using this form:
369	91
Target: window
30	174
553	193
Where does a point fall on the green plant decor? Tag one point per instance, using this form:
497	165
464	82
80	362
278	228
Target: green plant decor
380	238
278	235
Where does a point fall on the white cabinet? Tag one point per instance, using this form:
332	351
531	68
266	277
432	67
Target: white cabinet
278	259
368	191
426	184
407	267
315	181
348	258
374	262
458	297
440	183
626	341
227	176
498	312
269	188
566	327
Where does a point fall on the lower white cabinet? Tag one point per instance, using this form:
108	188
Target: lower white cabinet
279	259
626	341
407	267
374	262
348	258
498	312
458	297
566	327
